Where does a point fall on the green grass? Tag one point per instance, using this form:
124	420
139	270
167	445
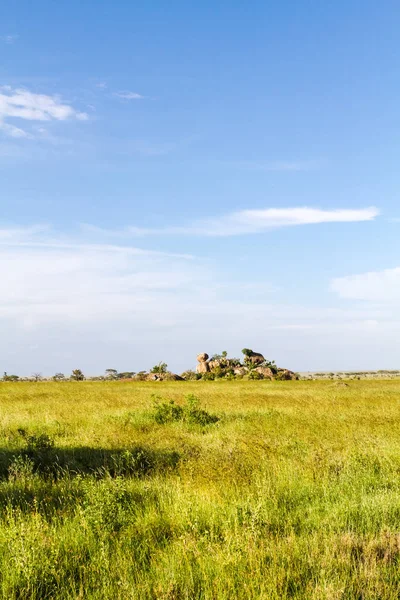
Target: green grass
294	492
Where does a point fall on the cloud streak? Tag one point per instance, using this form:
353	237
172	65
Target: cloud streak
128	95
374	286
276	165
27	106
94	305
9	39
254	221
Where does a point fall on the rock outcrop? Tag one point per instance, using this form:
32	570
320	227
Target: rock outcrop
286	375
240	371
203	366
255	358
254	365
214	364
163	377
266	372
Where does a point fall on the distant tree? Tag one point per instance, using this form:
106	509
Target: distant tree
190	375
160	368
58	377
77	375
111	373
126	375
247	351
7	377
222	356
37	376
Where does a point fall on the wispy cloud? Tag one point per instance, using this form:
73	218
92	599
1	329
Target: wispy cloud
128	95
43	236
109	279
8	39
373	286
28	106
132	307
275	165
11	235
256	221
14	132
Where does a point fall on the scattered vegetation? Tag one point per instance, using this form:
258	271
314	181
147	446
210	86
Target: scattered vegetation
77	375
294	493
162	367
167	411
254	366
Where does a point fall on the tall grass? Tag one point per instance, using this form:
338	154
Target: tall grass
294	492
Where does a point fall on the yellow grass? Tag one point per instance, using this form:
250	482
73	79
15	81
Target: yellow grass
293	493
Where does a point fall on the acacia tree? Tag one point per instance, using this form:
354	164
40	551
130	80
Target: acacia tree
222	356
247	352
77	375
111	374
126	375
58	377
160	368
7	377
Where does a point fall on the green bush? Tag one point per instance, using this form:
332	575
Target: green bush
196	415
255	375
39	443
21	468
208	376
190	375
166	411
160	368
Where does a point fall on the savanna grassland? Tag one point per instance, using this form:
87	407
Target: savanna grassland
106	493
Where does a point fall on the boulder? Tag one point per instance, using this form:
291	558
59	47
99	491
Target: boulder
174	377
286	375
153	377
240	371
255	358
224	363
203	366
266	372
163	377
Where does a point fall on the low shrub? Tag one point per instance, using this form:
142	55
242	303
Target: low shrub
208	376
190	375
167	411
255	375
21	468
196	415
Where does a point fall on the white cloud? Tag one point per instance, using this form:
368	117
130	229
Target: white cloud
253	221
128	95
275	165
9	39
256	221
375	286
96	305
28	106
14	132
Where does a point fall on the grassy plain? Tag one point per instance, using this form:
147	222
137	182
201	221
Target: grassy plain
293	493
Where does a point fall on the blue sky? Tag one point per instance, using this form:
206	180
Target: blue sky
178	178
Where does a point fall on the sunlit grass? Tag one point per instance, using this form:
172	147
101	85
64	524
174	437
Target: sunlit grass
293	493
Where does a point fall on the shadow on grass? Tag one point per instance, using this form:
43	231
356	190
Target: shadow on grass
56	462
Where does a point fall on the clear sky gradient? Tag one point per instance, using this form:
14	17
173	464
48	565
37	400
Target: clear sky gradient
178	178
